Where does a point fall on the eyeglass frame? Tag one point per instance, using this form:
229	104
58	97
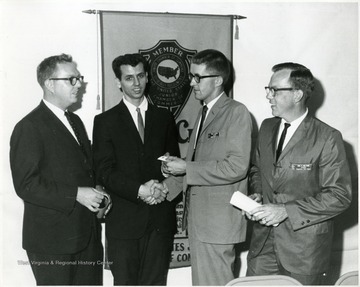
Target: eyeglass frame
273	91
198	78
70	79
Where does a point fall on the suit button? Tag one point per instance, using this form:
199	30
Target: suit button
308	221
275	192
302	223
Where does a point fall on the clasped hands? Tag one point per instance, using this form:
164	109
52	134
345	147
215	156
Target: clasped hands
153	192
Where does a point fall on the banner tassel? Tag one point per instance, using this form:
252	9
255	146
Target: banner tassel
98	102
236	30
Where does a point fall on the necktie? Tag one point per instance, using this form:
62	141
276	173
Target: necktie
76	131
281	142
203	115
140	124
187	192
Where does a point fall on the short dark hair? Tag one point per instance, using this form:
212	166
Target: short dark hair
127	59
301	77
47	67
215	61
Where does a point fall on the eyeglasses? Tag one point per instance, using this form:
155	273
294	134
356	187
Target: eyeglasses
72	80
197	77
273	91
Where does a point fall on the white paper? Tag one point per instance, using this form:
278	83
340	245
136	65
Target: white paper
243	202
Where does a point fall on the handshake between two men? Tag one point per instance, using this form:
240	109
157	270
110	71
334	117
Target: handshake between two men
153	191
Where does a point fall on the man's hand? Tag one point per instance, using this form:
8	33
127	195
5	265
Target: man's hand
269	214
175	165
256	197
153	192
164	169
89	197
160	192
106	203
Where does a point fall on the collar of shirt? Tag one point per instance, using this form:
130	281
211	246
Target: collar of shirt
60	114
132	109
292	129
212	103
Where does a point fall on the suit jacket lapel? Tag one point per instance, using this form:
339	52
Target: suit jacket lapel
297	136
190	149
127	123
213	112
269	154
273	144
59	128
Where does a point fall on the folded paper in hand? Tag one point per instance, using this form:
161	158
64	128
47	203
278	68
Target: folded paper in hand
243	202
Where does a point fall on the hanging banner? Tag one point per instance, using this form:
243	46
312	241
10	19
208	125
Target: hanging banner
167	41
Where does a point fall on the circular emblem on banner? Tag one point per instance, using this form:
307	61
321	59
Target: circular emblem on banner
169	86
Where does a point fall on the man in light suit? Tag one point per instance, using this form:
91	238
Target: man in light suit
301	175
216	165
51	166
128	139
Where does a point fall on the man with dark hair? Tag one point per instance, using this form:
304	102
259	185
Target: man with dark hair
216	166
51	165
300	174
127	141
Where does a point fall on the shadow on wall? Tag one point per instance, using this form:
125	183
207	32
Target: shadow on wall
349	218
317	98
345	221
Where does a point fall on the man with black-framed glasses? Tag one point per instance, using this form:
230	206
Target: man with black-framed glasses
215	167
300	174
52	171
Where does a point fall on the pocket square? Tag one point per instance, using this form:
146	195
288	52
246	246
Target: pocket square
212	135
301	166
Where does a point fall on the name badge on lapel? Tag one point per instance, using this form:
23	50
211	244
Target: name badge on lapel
301	166
213	135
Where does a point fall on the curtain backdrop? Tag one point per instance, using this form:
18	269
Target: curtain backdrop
167	41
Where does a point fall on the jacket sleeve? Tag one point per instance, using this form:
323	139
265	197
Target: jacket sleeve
32	181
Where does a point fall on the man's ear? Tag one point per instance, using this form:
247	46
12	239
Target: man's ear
49	84
118	83
219	81
298	95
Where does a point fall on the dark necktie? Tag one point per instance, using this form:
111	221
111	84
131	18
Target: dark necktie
76	131
187	192
140	124
281	142
203	115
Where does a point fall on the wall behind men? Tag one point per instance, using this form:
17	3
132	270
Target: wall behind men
322	36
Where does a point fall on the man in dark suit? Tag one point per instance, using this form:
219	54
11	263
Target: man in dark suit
127	140
216	166
52	172
301	175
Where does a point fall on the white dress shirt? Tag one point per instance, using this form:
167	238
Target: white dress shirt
60	114
291	130
132	109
